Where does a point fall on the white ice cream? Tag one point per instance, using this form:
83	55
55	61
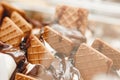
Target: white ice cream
7	66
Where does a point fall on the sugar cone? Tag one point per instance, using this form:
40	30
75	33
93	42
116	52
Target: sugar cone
75	18
59	42
38	54
20	76
21	22
90	62
10	33
107	50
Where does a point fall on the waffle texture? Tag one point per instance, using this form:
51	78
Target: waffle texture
90	62
59	42
38	54
107	50
10	33
21	23
75	18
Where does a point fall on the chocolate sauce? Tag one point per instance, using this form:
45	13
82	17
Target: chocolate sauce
25	43
17	55
20	59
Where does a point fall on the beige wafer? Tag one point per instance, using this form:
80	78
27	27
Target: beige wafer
9	8
20	76
59	42
21	22
75	18
38	54
90	62
10	33
107	50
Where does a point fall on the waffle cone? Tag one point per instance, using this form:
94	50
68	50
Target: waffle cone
38	54
9	9
60	43
75	18
10	33
20	76
90	62
107	50
21	22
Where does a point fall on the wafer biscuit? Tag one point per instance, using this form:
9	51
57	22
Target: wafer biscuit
75	18
21	22
59	42
9	9
107	50
38	54
90	62
20	76
10	33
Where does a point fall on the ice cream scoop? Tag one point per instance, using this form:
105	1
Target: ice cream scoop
7	66
12	61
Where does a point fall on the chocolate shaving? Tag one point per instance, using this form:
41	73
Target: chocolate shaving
25	43
3	46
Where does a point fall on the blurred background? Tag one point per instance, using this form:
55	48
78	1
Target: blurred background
104	15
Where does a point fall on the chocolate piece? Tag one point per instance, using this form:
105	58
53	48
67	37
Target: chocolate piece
4	46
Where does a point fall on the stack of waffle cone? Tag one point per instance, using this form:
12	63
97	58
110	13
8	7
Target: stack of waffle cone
90	62
75	18
20	76
21	22
10	33
37	53
107	50
60	43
